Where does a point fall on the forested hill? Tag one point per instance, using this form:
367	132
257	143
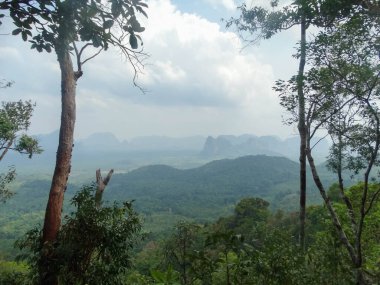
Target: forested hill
210	190
165	195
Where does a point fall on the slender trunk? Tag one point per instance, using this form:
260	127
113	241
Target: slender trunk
361	276
52	221
302	132
6	149
346	200
335	219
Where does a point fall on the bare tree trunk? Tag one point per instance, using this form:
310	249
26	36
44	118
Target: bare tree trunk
101	185
52	221
302	132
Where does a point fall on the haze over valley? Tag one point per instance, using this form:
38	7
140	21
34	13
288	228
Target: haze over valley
105	150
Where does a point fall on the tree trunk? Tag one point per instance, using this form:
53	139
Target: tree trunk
101	185
361	277
334	216
52	221
302	132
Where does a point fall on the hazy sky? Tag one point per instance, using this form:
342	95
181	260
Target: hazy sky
199	79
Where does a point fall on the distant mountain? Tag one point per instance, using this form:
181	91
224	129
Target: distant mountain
104	150
109	143
206	192
164	143
100	141
235	146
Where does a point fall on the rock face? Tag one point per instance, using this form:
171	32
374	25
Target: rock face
234	146
214	147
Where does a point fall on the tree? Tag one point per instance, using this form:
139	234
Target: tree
263	24
94	244
14	122
179	248
342	94
71	28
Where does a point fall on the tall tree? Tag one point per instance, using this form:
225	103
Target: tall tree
348	55
71	29
343	87
263	24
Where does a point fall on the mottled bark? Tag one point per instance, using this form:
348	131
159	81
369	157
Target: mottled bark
53	212
302	132
65	146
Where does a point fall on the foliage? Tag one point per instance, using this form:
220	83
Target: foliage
14	122
169	277
341	91
69	28
5	180
251	246
89	21
220	253
94	244
178	249
13	273
209	191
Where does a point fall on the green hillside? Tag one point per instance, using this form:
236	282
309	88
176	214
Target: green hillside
164	195
209	191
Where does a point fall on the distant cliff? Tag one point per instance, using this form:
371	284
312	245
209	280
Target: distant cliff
235	146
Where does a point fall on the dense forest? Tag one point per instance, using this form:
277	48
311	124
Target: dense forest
241	212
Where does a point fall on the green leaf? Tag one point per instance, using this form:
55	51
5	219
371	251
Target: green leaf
45	16
136	27
138	8
143	4
48	48
96	41
139	29
108	24
24	36
16	31
133	41
18	23
116	8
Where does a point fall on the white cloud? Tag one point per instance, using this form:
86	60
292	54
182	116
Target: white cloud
227	4
168	71
193	62
197	79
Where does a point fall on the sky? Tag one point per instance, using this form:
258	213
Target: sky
200	79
